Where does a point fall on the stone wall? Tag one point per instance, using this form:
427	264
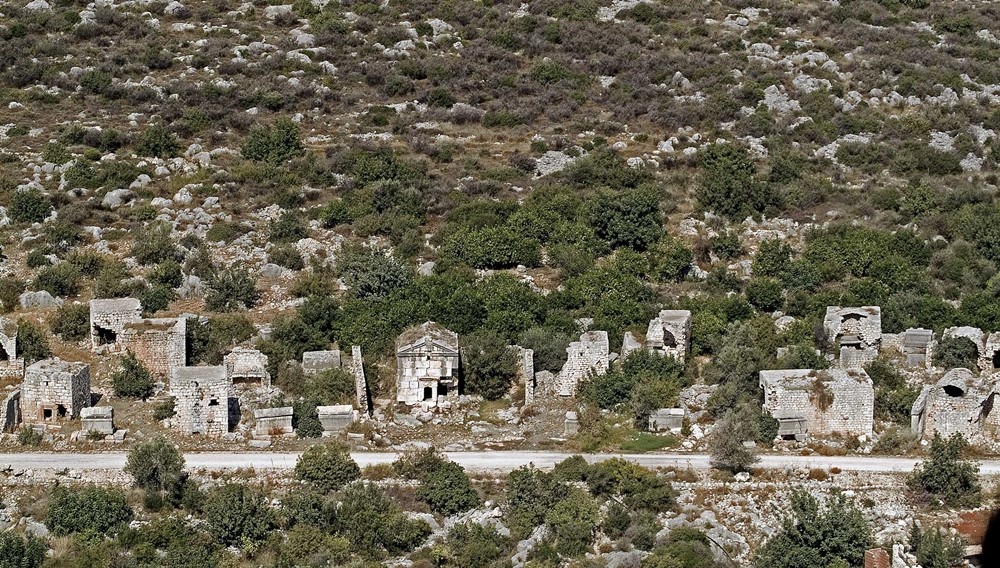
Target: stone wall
540	387
97	419
201	400
958	403
588	355
54	389
108	318
832	401
314	362
854	333
10	411
427	360
360	383
988	345
669	333
524	359
335	418
272	422
245	365
159	343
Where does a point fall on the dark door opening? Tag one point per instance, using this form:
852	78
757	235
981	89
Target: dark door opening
60	411
46	414
996	359
105	336
428	393
443	390
669	340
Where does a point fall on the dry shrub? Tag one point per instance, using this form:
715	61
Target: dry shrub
818	474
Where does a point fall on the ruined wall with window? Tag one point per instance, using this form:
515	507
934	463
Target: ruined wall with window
108	318
958	403
159	343
54	389
201	400
855	334
840	401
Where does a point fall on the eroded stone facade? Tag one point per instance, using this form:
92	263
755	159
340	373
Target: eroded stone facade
958	403
269	422
589	355
108	318
54	389
831	401
669	333
854	333
11	366
201	400
335	418
245	366
314	362
97	419
159	343
427	360
987	344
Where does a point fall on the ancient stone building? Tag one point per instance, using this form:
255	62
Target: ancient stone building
336	418
987	344
272	422
524	361
831	401
201	400
10	411
54	389
917	346
669	333
667	420
159	343
589	355
958	403
314	362
11	366
855	334
246	366
427	365
540	387
108	318
97	419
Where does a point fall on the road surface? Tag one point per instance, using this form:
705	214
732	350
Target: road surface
498	461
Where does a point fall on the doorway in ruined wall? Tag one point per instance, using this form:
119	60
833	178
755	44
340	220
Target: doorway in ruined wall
105	336
996	359
669	340
428	393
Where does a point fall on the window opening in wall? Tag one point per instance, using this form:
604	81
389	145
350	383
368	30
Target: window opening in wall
61	411
443	390
428	393
213	402
953	391
105	336
47	414
669	340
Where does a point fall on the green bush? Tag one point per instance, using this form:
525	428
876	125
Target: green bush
238	515
29	206
274	144
491	247
956	352
811	536
374	524
287	228
132	379
444	485
167	273
671	259
327	467
18	551
231	289
628	217
71	322
935	550
89	510
61	280
157	142
371	273
489	366
945	477
765	294
476	546
729	184
28	436
288	256
893	396
32	342
155	299
728	451
155	465
305	416
573	521
154	245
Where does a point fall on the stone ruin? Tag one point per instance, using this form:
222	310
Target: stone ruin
315	362
108	318
11	366
667	420
958	403
571	424
10	412
987	344
159	343
669	333
524	361
855	333
917	347
117	325
336	418
269	422
427	366
541	386
246	366
834	401
97	419
589	355
54	389
202	398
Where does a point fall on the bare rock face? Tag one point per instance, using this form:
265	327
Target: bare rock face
40	299
38	6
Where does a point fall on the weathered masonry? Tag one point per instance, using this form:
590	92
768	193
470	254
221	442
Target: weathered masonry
987	345
855	334
54	389
159	343
589	355
427	360
245	365
272	422
108	318
201	400
669	333
824	402
958	403
11	366
315	362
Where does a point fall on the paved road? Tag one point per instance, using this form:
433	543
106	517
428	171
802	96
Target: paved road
476	461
